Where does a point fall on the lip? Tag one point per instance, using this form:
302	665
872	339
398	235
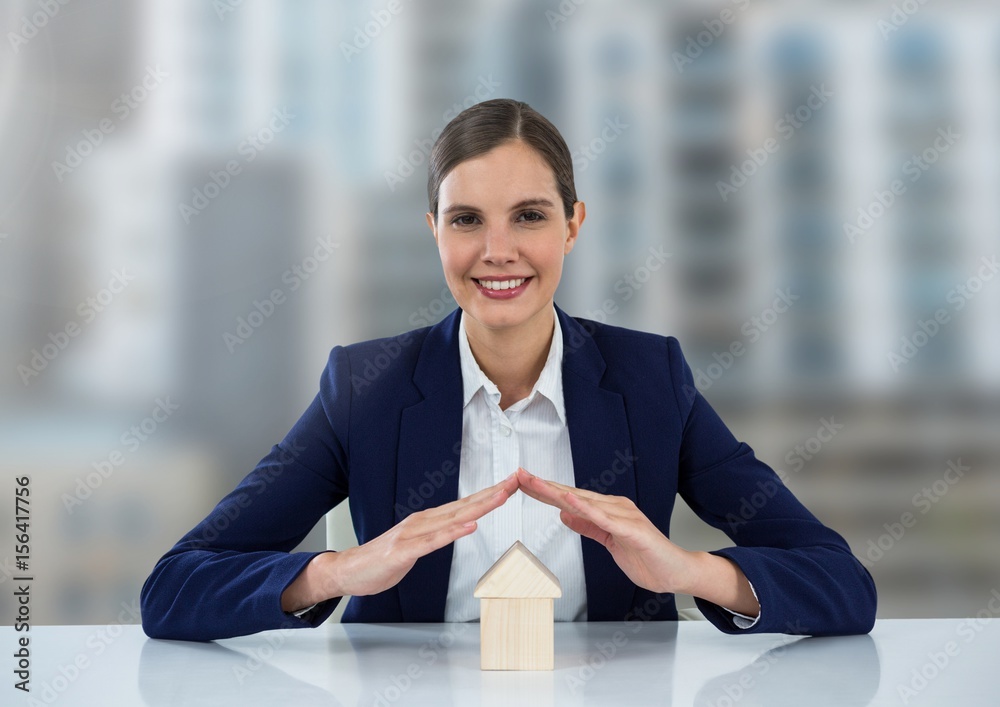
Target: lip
502	294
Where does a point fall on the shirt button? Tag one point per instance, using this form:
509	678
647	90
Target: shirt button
506	431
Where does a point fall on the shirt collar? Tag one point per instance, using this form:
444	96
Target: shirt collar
549	383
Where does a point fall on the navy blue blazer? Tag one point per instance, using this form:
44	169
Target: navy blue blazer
385	432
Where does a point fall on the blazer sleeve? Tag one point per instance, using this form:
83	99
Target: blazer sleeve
226	576
804	574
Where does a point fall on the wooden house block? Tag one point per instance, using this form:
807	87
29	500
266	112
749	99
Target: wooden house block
516	620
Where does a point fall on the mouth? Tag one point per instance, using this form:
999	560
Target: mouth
503	289
502	284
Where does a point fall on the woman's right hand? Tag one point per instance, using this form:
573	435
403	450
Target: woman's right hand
381	563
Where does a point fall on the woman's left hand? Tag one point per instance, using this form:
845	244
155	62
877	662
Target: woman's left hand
645	554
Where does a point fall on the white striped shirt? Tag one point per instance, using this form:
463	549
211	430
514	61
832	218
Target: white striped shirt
531	433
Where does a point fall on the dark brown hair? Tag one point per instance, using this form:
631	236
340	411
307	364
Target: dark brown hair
484	126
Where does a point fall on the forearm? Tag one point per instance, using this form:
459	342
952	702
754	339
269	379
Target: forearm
201	595
721	581
316	583
819	591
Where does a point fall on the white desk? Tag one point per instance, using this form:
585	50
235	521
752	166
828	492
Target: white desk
438	664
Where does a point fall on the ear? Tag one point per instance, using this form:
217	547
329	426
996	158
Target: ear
432	225
573	225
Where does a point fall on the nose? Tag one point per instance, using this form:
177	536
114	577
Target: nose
499	245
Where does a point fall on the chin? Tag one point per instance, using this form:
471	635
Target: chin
503	315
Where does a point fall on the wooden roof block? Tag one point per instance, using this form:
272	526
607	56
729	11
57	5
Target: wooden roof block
518	574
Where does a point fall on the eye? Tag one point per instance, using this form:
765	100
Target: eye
464	220
531	216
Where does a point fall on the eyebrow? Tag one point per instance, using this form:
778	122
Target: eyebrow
523	204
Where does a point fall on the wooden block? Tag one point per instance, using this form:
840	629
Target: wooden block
516	620
516	634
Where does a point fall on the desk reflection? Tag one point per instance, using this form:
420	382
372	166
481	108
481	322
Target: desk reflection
595	664
195	674
842	671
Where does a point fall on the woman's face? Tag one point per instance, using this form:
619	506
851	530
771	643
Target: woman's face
502	233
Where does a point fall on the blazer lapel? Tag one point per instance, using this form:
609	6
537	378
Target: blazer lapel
601	445
427	463
430	445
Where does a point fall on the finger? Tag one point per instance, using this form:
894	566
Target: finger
585	527
538	487
547	492
426	523
463	510
538	490
583	493
429	542
629	528
508	485
594	513
477	509
531	481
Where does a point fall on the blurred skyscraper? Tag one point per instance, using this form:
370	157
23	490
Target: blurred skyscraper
660	104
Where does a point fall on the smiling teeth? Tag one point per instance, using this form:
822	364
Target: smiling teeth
501	284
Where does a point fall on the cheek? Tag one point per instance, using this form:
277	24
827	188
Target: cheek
549	258
455	261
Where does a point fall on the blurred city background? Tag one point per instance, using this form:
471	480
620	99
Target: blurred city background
169	164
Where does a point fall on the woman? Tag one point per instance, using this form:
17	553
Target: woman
509	420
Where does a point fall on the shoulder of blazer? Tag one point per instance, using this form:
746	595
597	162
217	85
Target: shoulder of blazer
407	366
627	351
427	358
